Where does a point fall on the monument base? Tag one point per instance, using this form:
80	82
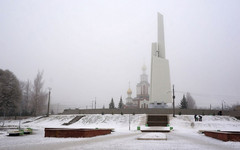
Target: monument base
158	105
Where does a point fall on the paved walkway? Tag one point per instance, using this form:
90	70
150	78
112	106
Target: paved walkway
128	141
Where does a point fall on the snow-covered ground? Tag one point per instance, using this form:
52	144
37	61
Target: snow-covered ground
184	136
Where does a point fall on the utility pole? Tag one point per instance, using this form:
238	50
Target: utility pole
222	105
95	103
129	123
57	108
210	107
48	101
173	102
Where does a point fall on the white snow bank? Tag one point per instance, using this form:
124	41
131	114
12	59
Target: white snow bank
184	136
118	122
223	123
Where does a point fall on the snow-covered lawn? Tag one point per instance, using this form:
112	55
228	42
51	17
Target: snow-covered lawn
184	136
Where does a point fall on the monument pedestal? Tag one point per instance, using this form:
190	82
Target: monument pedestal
160	90
158	105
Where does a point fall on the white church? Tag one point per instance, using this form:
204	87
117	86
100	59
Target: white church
142	96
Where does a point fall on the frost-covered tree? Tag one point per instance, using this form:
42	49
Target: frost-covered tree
26	105
120	104
190	101
39	97
183	103
10	93
235	106
111	105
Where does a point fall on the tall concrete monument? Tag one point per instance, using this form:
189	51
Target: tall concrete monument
160	90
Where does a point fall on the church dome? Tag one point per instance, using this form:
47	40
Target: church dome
129	91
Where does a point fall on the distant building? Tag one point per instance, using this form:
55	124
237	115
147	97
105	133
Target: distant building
129	99
236	108
143	89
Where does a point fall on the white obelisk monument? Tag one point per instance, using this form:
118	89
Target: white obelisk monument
160	90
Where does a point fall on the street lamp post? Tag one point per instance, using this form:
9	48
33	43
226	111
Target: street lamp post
48	101
95	103
173	102
129	123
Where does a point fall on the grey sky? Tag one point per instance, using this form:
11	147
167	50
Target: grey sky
93	48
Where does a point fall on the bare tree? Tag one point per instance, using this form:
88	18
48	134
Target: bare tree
26	104
191	102
234	107
39	97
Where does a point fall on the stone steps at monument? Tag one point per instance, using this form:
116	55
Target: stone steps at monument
157	123
157	120
75	119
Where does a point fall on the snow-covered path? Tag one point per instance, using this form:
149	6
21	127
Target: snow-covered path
198	141
98	142
185	134
127	141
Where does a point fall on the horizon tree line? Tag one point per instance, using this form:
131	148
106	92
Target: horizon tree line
120	104
187	102
22	97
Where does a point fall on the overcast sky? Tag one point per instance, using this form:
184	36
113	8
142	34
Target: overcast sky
93	48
